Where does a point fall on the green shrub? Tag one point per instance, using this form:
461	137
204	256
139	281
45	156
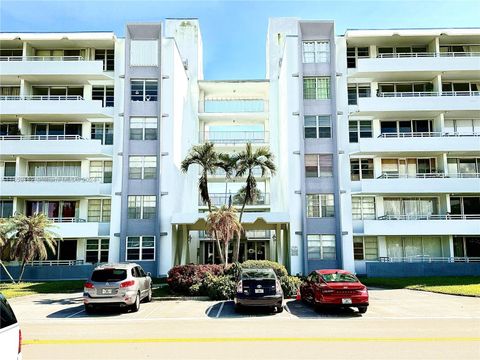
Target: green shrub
290	285
279	269
181	278
218	287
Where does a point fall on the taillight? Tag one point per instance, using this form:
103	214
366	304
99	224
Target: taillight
127	283
89	285
278	287
240	286
19	341
364	290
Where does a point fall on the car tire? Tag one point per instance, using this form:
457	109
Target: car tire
238	308
136	305
362	309
279	309
148	298
89	309
318	307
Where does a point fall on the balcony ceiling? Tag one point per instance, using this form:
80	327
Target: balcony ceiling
235	89
48	79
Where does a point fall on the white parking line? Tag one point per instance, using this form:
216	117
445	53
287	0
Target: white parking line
72	315
220	310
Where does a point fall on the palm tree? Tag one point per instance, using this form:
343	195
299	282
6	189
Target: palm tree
223	224
5	230
227	164
31	237
205	156
245	162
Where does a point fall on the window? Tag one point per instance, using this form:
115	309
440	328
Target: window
96	250
143	128
465	205
320	205
317	126
144	52
365	248
363	207
99	210
355	53
462	126
410	206
316	88
69	169
6	208
142	207
140	248
356	91
101	170
102	132
142	167
144	90
7	317
361	169
321	247
9	129
359	129
104	93
316	51
319	165
56	131
108	58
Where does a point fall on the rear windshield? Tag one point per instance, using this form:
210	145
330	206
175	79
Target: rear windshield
109	275
7	317
338	277
258	274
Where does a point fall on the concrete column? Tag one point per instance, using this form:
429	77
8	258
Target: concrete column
382	246
278	234
377	167
443	163
23	126
114	249
376	130
81	245
437	83
21	167
450	244
373	51
374	88
87	92
439	123
184	255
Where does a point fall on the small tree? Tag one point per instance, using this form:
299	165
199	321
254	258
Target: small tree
5	230
223	224
31	237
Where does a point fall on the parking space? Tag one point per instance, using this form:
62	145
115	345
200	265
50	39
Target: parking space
383	304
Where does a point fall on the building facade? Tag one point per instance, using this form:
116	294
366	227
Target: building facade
375	134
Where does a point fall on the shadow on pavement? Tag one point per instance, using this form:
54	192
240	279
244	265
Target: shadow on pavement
66	301
216	311
300	309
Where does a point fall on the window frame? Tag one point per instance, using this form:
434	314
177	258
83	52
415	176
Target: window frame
321	239
364	256
320	173
98	250
317	88
317	52
143	122
140	199
317	126
143	94
363	215
142	161
324	201
140	248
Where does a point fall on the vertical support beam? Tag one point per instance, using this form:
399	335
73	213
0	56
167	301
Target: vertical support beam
450	245
287	255
382	246
437	83
183	260
278	234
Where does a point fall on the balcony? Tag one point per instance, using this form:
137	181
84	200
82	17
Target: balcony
425	142
422	225
40	107
219	174
255	110
58	69
219	199
421	66
49	145
53	186
76	227
428	103
235	137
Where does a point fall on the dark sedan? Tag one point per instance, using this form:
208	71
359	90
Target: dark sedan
258	287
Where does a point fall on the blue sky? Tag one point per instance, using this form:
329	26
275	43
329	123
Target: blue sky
234	32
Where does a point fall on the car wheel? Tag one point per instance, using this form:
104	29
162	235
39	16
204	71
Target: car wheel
148	298
136	305
89	309
362	309
318	307
279	309
238	308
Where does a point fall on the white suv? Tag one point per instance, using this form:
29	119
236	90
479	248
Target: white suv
10	333
124	284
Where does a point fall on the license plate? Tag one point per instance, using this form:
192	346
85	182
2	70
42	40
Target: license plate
107	291
346	301
258	291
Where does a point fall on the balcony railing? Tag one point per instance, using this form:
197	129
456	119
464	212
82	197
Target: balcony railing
42	137
41	97
428	54
67	220
233	105
429	259
249	234
431	217
49	179
219	199
42	58
427	134
220	172
56	262
427	93
235	137
391	175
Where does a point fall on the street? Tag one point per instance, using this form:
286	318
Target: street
400	324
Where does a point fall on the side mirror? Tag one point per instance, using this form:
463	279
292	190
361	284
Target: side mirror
149	274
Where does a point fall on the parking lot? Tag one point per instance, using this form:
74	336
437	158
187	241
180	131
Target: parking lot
400	324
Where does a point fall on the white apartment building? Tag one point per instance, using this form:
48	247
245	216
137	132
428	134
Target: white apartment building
375	133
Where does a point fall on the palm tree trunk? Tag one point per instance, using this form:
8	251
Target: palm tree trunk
6	271
237	250
226	255
219	248
23	269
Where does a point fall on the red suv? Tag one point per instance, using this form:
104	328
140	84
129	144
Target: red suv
338	288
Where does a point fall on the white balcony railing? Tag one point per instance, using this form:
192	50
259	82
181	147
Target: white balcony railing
431	217
219	199
235	137
21	179
427	134
233	105
42	58
388	175
428	54
429	259
67	220
56	262
427	93
42	137
41	98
